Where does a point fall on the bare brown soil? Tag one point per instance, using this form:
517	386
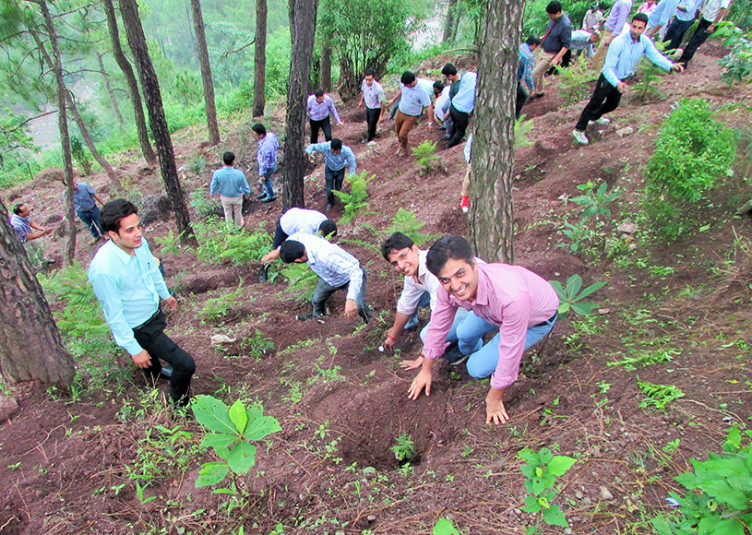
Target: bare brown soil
64	466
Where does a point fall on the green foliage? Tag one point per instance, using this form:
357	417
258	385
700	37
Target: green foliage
355	201
658	396
737	64
650	74
301	281
404	448
648	358
522	130
741	14
217	243
571	296
573	81
257	345
217	308
79	154
445	527
187	87
404	221
205	207
692	152
425	154
541	470
595	201
171	244
230	433
719	497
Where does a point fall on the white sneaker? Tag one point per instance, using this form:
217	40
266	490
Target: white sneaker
580	137
602	120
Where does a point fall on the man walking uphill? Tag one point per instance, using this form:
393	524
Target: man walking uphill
337	157
126	279
462	96
231	185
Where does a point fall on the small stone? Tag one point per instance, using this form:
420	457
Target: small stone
605	493
8	407
222	339
627	228
621	132
604	311
578	495
371	518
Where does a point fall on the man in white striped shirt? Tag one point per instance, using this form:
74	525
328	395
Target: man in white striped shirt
337	270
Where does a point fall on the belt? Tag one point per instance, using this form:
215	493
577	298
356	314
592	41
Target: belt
549	320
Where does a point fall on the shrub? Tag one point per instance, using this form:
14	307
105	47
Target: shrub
425	154
355	201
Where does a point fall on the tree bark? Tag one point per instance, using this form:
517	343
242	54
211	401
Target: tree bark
449	22
491	213
31	342
56	64
157	119
259	60
111	94
130	78
206	76
325	67
302	34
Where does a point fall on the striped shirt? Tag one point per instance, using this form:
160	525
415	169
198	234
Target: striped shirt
332	263
319	112
267	153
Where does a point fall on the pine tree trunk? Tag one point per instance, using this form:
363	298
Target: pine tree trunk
259	60
55	63
130	78
302	34
111	94
491	214
157	119
32	346
325	67
206	76
449	21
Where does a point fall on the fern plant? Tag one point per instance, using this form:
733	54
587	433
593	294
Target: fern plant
301	281
355	201
573	81
425	154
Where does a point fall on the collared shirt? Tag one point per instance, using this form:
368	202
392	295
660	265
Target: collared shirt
691	10
267	153
301	220
624	53
442	104
464	100
592	20
413	99
558	33
713	7
83	197
332	263
373	96
319	112
128	288
229	182
335	162
22	226
581	41
618	16
646	8
415	286
512	297
662	13
525	69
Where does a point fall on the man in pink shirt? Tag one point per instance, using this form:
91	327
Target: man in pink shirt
512	299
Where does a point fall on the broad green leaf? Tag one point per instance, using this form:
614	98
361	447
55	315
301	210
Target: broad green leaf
545	455
539	485
255	411
590	289
584	308
543	501
560	464
531	505
444	527
554	516
261	427
212	414
242	457
734	440
556	285
218	440
238	416
662	526
563	308
211	474
574	283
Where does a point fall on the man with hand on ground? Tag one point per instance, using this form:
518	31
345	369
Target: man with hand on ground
337	156
512	299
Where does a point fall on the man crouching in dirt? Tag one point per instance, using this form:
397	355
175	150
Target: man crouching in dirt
127	281
337	270
512	299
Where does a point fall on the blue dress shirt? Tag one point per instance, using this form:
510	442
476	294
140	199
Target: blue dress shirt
229	182
335	162
624	53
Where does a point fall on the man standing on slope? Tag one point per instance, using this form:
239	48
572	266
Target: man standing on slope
554	44
462	98
623	54
375	101
319	108
231	185
267	160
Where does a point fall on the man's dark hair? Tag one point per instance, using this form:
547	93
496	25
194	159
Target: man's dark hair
449	246
336	144
259	128
407	78
17	208
318	93
449	70
290	251
370	72
228	158
438	86
113	212
533	40
395	242
328	228
553	7
641	17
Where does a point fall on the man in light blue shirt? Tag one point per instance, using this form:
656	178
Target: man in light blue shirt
623	54
462	96
337	270
612	28
337	157
127	281
684	16
660	16
413	98
231	185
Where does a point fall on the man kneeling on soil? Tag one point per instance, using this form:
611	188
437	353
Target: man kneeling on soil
337	270
512	299
127	281
298	220
420	289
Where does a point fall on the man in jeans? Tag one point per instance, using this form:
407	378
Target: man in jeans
231	185
374	99
126	280
85	201
267	161
337	157
337	270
